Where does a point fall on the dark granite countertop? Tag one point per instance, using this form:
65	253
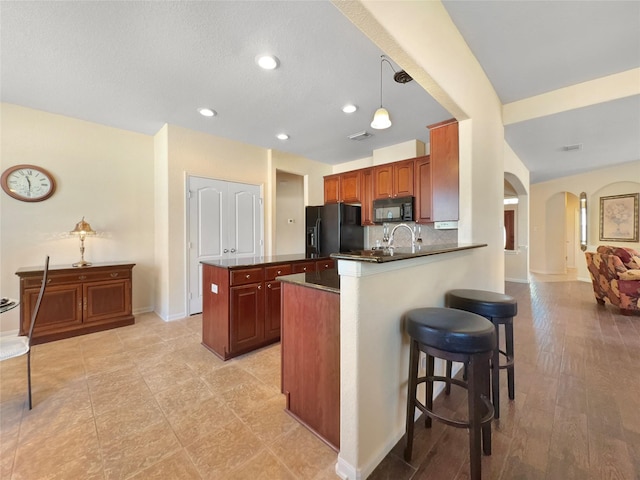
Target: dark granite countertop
403	253
260	260
328	280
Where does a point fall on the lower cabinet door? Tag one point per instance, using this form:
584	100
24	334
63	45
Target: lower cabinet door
106	300
272	310
246	316
61	309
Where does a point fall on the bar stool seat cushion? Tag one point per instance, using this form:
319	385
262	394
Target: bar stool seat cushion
482	302
451	330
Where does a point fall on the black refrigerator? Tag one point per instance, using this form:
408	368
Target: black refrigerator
333	228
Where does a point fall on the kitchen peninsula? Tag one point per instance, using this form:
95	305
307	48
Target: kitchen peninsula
311	351
241	300
374	290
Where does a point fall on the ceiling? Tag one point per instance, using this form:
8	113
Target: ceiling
139	65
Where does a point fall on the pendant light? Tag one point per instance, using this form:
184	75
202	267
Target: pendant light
381	118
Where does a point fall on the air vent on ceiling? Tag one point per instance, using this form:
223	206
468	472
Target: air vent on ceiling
360	135
569	148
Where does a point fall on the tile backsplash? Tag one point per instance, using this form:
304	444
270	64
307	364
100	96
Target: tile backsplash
430	236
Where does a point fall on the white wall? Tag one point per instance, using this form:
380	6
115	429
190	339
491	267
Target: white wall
289	214
100	173
616	180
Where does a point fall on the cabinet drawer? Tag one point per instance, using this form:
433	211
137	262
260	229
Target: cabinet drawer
325	264
79	277
270	273
304	267
247	275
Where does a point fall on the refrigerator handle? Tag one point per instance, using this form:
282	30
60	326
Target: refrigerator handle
318	236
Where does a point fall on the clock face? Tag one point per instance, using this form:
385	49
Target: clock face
28	183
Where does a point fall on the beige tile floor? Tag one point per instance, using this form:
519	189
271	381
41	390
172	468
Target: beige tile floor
149	402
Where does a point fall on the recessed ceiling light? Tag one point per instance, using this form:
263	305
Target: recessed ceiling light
349	108
268	62
207	112
283	136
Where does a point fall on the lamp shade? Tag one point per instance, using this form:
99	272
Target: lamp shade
82	229
381	119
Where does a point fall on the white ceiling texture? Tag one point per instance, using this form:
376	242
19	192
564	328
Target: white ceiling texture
140	64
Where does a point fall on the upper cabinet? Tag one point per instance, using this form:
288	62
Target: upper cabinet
444	171
423	208
332	188
342	187
350	187
366	189
393	179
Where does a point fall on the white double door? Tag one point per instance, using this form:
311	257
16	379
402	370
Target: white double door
224	222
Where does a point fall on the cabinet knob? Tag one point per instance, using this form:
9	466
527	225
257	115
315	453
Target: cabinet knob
82	277
233	250
248	275
268	285
304	269
279	272
114	274
259	287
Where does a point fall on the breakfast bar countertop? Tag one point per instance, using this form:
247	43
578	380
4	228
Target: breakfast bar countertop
383	255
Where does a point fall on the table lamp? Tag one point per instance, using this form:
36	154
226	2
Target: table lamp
82	230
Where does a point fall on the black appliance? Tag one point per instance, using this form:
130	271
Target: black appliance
393	210
333	228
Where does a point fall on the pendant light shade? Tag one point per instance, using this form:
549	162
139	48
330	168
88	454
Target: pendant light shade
381	119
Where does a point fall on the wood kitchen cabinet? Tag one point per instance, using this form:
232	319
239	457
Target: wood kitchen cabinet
77	300
423	207
444	160
393	179
332	188
241	306
342	187
366	197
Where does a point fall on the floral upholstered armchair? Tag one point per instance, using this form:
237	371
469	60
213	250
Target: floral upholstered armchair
615	273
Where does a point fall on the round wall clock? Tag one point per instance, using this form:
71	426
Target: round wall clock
28	183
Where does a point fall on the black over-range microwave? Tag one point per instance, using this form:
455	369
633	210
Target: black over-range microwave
398	209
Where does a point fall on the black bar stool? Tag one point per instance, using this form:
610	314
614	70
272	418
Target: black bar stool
500	310
459	336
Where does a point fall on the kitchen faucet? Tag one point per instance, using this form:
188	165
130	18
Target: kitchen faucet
393	231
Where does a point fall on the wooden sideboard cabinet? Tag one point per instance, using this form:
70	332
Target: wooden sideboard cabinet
77	300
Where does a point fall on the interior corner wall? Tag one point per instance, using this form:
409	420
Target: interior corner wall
100	172
598	183
161	233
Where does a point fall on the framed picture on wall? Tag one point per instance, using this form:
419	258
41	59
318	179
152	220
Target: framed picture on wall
619	218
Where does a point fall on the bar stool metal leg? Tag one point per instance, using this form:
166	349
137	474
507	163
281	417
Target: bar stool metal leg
495	375
511	374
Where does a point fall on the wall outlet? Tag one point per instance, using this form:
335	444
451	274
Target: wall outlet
214	288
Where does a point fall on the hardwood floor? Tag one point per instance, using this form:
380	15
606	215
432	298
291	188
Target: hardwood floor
577	409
